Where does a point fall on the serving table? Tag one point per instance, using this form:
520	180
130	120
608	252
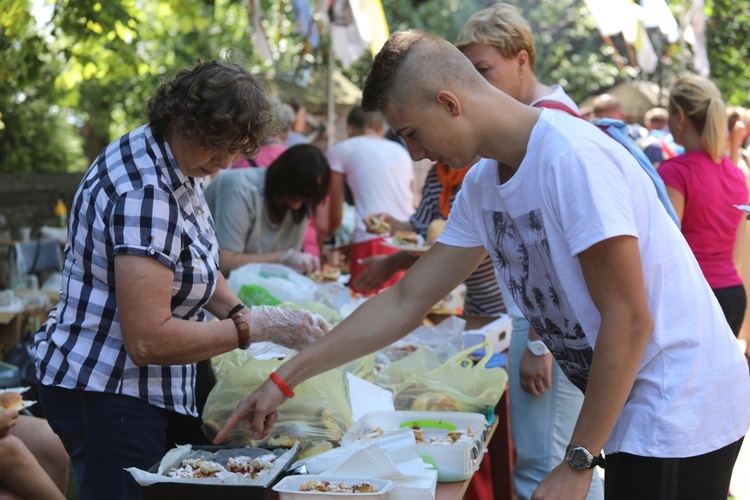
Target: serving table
498	443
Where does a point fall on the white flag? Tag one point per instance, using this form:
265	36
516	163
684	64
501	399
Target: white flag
612	16
656	14
695	35
357	25
620	16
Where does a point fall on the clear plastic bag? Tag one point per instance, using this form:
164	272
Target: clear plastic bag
456	385
280	282
444	339
318	412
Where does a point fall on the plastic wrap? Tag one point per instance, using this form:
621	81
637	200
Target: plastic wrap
287	327
280	282
456	385
318	413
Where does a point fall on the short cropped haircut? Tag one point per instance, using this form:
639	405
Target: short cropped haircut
605	103
700	100
655	115
412	66
359	119
218	102
301	171
502	27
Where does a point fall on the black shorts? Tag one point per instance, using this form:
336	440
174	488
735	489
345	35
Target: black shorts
703	477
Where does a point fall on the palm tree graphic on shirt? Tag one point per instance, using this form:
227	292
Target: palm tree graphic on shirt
521	253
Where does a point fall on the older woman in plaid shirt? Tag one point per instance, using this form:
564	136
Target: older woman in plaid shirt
117	356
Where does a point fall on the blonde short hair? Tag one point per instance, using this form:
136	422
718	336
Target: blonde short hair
502	27
606	105
700	100
658	114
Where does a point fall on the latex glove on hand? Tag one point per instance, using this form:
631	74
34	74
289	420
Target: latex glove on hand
301	262
289	328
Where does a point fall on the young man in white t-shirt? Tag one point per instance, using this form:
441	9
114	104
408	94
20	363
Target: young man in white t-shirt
580	238
500	45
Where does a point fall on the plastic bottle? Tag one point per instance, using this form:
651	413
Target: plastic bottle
61	213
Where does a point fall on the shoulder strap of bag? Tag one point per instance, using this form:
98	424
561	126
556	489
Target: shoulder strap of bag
551	104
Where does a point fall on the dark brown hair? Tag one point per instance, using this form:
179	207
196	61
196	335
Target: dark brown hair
382	75
218	102
359	119
301	171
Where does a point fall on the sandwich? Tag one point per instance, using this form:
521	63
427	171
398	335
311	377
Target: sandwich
406	238
10	401
378	226
330	273
327	273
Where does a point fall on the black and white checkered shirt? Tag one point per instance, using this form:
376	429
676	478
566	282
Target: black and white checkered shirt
134	200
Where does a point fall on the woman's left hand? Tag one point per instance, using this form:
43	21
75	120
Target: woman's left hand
301	262
290	328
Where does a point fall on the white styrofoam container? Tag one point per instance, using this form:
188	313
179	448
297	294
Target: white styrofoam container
455	462
496	333
288	488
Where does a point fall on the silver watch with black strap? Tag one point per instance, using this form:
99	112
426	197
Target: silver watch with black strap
581	458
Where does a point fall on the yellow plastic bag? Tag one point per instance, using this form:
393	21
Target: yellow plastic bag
362	367
395	373
457	385
319	411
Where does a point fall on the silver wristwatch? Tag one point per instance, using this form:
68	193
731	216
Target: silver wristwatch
537	347
581	458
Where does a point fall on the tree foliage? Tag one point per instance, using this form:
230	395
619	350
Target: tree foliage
728	34
71	84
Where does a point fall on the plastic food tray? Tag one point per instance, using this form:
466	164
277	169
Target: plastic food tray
288	488
454	462
177	490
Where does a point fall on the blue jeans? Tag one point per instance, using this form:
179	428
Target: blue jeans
104	433
541	425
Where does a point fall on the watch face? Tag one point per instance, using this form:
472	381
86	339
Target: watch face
537	347
579	458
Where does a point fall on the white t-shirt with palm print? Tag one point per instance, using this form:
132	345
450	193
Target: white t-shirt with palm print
577	187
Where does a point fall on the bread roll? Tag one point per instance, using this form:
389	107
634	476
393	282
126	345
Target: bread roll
379	226
406	238
11	401
434	230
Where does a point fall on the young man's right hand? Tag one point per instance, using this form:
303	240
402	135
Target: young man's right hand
257	411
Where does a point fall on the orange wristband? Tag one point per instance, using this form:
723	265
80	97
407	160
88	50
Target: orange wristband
282	385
